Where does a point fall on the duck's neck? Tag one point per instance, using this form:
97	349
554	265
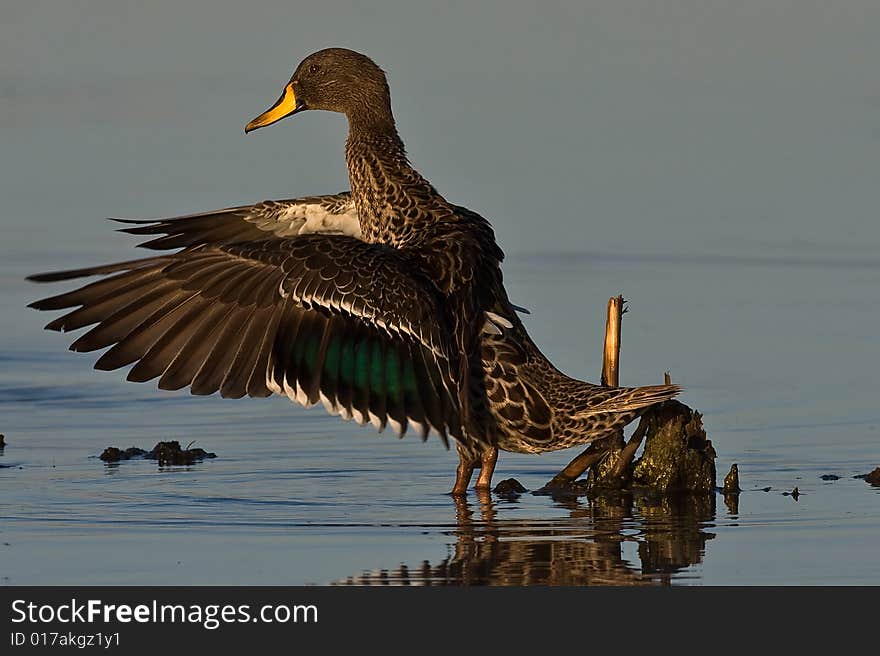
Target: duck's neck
390	195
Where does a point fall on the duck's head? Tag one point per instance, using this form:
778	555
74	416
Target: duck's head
335	80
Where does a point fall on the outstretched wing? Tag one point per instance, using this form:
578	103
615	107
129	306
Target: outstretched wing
316	317
331	214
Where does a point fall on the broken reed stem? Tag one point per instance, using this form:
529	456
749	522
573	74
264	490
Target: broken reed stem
610	378
611	355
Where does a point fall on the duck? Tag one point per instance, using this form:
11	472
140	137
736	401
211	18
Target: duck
385	303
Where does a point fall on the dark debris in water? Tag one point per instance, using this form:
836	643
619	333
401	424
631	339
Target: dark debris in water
112	454
794	494
3	444
170	453
731	481
830	477
509	487
560	489
872	479
165	453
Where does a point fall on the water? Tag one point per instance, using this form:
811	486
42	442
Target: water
777	357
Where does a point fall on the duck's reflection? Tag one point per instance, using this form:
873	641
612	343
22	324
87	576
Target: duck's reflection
608	540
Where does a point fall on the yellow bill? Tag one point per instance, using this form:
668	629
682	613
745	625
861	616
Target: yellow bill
285	106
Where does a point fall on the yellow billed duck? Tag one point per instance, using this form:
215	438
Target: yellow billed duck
385	303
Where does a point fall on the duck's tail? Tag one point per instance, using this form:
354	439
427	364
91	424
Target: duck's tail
625	399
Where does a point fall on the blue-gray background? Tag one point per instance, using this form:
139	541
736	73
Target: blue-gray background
716	161
707	124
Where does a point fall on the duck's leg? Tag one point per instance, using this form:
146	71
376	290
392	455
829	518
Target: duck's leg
466	465
487	466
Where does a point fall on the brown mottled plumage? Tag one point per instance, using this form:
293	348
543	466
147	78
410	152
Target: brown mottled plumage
387	304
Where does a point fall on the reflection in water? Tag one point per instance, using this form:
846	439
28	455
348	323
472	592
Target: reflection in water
584	548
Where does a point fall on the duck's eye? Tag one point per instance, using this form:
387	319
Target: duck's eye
313	68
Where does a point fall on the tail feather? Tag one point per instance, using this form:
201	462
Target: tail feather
626	399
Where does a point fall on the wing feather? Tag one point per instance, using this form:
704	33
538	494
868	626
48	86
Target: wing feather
331	214
189	360
317	317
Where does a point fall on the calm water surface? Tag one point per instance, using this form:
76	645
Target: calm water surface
777	347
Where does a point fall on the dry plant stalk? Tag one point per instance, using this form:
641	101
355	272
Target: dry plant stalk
611	355
610	375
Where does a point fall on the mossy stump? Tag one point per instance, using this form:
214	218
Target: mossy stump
677	456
